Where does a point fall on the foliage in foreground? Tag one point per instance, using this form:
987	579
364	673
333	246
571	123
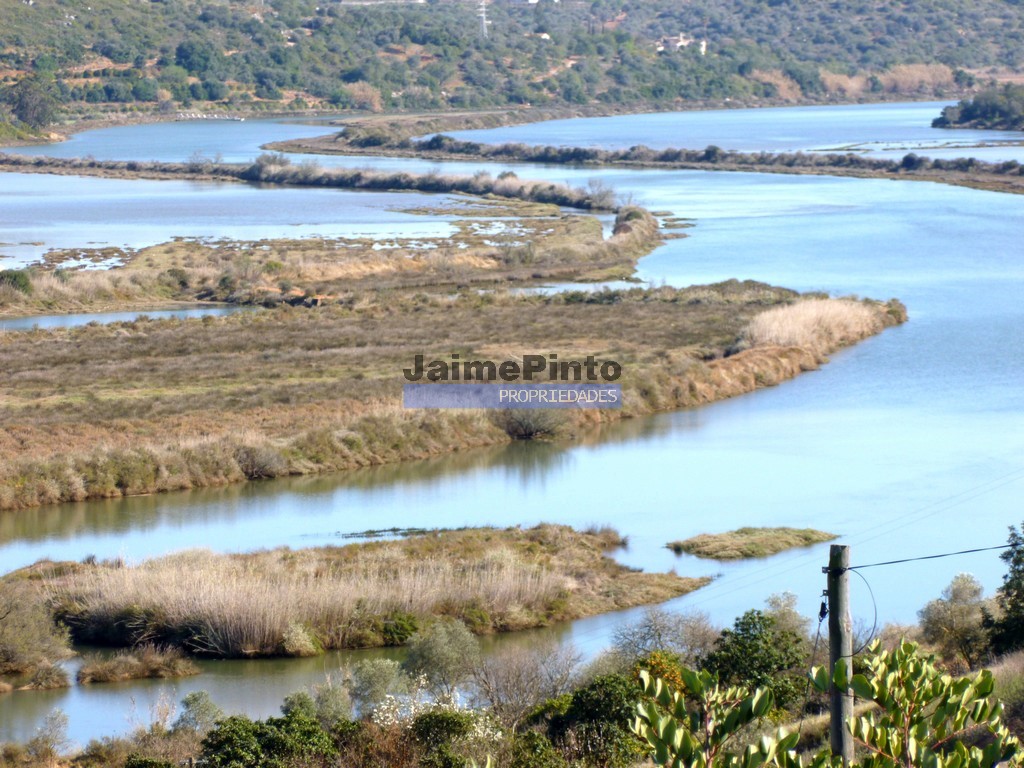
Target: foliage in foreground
922	718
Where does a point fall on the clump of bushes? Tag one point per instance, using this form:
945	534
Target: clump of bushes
30	641
18	279
528	423
144	661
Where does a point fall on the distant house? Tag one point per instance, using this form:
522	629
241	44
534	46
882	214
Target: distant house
678	42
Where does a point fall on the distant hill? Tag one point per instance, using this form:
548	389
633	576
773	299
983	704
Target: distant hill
433	55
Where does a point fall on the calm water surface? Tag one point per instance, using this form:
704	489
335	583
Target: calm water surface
882	130
911	443
43	322
39	212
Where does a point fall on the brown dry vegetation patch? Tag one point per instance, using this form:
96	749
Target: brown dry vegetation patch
292	602
127	409
493	241
146	661
749	542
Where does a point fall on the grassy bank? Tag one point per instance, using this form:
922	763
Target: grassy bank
398	141
162	405
745	543
300	602
151	406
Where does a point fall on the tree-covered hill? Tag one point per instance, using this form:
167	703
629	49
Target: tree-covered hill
432	55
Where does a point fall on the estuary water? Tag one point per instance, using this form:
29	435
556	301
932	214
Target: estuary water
878	130
909	444
40	212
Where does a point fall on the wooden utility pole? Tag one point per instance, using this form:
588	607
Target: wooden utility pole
840	650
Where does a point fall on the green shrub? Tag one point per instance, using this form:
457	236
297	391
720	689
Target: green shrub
299	702
300	641
238	742
28	635
445	652
399	627
595	727
141	761
233	743
443	757
198	713
177	277
441	727
534	750
373	679
755	653
18	279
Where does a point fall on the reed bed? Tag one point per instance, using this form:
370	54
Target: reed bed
360	595
146	661
820	325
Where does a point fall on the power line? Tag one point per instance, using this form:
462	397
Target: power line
935	507
929	557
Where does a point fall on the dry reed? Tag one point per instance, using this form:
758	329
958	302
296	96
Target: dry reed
353	596
142	662
819	325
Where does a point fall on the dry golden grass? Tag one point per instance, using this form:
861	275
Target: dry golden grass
288	602
749	542
907	78
820	325
786	88
850	86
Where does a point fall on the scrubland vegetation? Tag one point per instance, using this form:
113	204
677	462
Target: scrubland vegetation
105	58
301	602
494	242
31	643
273	168
748	542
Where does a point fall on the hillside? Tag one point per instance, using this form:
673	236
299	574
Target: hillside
173	54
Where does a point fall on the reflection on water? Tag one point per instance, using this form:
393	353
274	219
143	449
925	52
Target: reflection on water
104	318
183	519
39	212
144	526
